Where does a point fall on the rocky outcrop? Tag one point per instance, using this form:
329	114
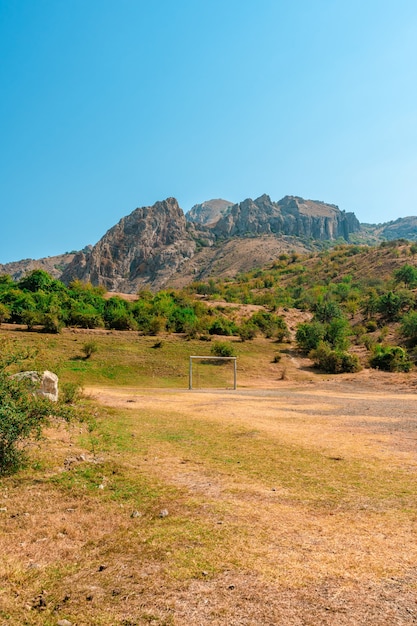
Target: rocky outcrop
290	216
54	265
144	249
208	212
44	383
402	228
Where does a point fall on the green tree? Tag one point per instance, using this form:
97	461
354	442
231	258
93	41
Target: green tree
390	359
37	280
309	335
406	274
408	326
4	313
337	333
389	305
334	361
327	310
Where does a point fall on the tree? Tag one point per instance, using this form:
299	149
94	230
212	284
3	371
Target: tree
408	326
4	313
334	361
327	310
309	335
337	333
37	280
389	305
406	274
390	359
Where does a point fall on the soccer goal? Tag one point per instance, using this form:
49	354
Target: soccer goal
210	372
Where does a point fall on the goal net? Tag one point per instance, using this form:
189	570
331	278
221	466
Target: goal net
212	372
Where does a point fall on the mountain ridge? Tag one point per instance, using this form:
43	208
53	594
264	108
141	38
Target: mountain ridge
160	246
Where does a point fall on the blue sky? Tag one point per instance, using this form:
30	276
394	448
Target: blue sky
107	105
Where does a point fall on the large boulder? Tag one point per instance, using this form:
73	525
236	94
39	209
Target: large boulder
46	383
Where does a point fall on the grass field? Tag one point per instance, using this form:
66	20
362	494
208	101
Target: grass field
290	501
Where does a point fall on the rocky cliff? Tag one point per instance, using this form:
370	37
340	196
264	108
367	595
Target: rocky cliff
208	212
145	248
290	216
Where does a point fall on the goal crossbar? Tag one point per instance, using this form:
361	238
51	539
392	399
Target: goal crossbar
213	358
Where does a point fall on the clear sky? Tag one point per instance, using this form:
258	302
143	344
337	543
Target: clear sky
107	105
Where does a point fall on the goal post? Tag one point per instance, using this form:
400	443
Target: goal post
212	358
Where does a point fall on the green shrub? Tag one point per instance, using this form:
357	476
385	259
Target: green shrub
390	359
222	348
309	335
222	326
86	320
247	331
70	392
123	320
52	323
334	361
30	318
89	348
371	326
4	313
409	326
23	412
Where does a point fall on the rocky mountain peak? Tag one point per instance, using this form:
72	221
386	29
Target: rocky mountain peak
146	246
208	212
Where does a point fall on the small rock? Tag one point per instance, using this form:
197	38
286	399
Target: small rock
163	513
63	622
135	514
101	486
204	573
102	568
231	587
3	509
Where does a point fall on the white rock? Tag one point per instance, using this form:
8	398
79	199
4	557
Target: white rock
47	381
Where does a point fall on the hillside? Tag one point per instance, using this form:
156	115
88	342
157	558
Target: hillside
54	265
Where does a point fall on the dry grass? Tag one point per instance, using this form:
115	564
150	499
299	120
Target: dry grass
287	506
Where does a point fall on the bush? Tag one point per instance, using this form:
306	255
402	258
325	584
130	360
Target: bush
309	335
371	326
409	326
4	313
22	411
222	326
247	331
70	393
390	359
335	361
123	320
222	348
52	323
89	348
86	320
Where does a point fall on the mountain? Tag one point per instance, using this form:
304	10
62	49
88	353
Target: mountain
143	249
290	216
159	247
208	212
54	265
402	228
